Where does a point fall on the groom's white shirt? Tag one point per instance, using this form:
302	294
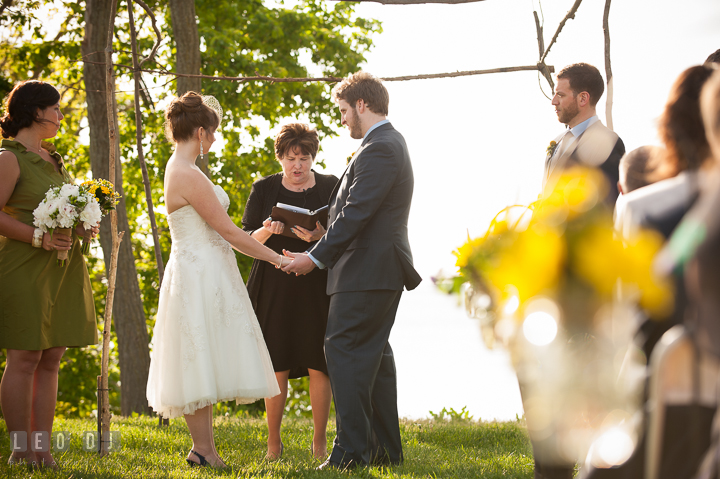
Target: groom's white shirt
380	123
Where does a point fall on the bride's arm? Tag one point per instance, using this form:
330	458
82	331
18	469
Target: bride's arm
198	192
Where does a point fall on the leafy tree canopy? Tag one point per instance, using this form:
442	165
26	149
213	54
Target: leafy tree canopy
41	39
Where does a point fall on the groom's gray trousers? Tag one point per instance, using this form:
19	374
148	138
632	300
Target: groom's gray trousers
361	367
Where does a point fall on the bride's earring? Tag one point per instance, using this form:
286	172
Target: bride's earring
201	148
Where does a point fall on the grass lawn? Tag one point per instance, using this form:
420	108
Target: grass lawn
432	450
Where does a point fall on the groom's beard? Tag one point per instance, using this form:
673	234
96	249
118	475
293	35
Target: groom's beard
567	114
353	123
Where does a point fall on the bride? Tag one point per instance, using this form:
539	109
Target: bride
207	345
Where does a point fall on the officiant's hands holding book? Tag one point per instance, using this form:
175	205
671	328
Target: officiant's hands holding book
307	235
300	264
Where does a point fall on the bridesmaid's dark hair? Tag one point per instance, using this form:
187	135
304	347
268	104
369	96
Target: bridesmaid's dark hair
186	114
22	105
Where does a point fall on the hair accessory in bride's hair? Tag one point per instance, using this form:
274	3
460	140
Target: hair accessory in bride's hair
214	105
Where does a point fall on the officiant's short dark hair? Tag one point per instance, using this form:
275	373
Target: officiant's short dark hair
584	77
363	86
297	135
186	114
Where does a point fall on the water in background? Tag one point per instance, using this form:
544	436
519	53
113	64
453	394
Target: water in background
442	362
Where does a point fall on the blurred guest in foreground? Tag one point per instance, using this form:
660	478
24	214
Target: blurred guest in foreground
714	57
634	171
693	248
44	308
703	271
586	141
661	206
292	310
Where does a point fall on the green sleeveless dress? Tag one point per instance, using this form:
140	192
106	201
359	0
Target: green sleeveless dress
42	305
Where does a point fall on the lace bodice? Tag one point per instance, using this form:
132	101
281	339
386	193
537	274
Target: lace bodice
188	230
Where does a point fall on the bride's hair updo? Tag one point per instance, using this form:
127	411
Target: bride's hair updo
186	114
22	105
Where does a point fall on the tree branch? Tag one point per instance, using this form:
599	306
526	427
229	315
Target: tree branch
570	14
541	48
5	4
157	32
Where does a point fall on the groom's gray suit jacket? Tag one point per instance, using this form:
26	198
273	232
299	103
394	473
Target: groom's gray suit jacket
366	245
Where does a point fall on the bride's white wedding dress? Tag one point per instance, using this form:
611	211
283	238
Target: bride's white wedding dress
207	345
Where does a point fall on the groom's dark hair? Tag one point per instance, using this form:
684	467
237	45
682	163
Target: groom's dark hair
363	86
584	77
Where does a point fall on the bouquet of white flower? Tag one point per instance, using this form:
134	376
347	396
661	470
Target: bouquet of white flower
65	207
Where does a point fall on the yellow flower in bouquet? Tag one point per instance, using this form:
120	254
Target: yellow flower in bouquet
531	264
599	258
107	198
577	190
570	237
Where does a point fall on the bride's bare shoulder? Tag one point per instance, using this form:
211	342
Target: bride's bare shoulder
184	185
184	175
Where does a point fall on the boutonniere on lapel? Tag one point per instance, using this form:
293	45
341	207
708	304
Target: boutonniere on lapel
551	148
347	162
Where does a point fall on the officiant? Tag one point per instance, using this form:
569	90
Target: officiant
292	310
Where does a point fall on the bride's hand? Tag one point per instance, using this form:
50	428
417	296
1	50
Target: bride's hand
274	227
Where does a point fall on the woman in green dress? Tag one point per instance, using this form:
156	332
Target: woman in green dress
44	308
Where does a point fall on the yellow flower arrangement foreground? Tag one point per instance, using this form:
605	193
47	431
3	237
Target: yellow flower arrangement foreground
555	285
566	236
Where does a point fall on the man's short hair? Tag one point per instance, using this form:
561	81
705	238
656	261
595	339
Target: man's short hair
710	108
584	77
714	57
296	135
363	86
634	168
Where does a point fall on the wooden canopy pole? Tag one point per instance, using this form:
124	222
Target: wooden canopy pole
141	155
608	67
103	396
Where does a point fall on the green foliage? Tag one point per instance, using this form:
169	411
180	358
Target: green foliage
432	450
452	415
237	38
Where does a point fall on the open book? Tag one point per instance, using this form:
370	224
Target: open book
293	215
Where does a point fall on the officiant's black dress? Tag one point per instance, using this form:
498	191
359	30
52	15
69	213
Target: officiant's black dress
292	310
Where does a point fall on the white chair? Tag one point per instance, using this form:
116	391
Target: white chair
681	376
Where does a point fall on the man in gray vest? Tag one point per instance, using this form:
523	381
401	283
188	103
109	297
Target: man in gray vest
586	141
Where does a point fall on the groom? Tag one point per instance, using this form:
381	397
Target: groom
367	252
